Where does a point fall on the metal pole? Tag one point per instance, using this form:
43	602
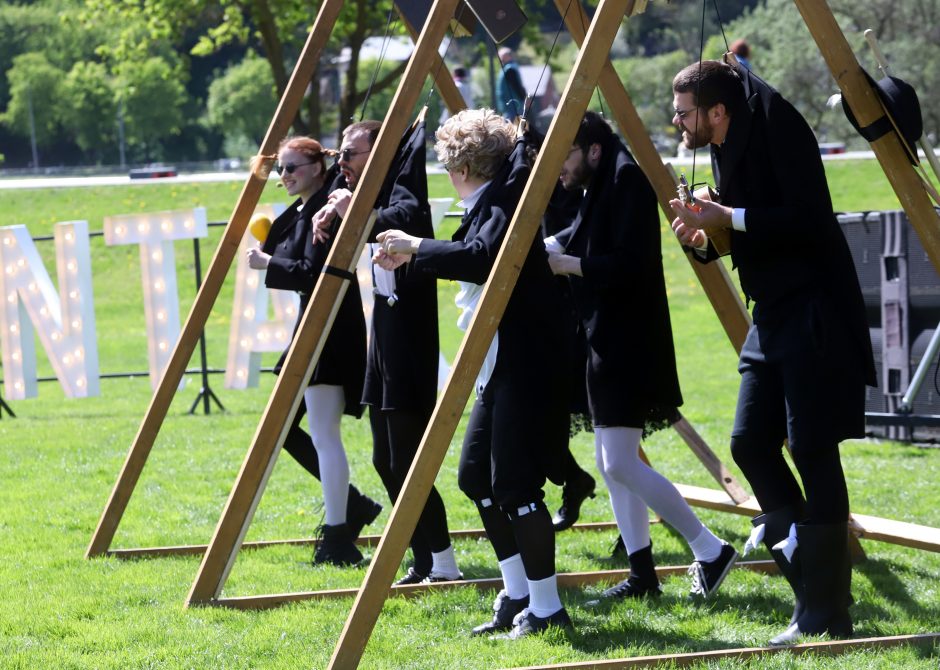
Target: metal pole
907	400
205	393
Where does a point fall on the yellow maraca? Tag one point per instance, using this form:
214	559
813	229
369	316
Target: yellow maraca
259	226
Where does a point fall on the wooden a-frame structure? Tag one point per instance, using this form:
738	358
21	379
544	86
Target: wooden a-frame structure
723	295
592	66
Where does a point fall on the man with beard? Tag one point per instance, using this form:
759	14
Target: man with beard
611	255
807	356
401	371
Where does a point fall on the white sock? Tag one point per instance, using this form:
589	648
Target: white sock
543	597
324	410
444	563
705	547
514	581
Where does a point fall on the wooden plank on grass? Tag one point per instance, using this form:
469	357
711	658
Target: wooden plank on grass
565	580
681	660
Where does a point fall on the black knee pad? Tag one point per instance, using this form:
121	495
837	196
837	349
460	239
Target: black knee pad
518	511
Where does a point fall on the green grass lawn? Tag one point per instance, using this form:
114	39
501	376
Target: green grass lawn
59	459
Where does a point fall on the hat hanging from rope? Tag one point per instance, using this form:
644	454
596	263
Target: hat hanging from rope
902	114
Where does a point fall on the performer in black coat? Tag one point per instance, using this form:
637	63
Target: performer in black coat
401	372
293	262
807	356
611	255
517	431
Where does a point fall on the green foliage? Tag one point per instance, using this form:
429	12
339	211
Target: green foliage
242	101
90	106
648	80
152	98
34	101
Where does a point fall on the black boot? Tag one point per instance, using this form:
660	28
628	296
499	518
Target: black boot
827	577
642	580
504	611
361	510
776	528
336	546
573	495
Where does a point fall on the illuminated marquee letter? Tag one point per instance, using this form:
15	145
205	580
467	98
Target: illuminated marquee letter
155	233
252	332
65	321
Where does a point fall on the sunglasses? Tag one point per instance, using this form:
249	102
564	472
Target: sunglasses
682	113
290	167
346	154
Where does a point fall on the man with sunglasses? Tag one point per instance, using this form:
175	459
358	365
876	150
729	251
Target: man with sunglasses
401	372
807	356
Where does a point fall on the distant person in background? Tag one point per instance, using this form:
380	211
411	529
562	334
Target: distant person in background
509	88
462	82
742	51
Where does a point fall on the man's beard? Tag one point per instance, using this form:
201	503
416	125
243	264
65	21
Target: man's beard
580	177
696	137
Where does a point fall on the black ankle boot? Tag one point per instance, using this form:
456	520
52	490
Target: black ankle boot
827	577
642	580
336	546
776	528
361	510
573	495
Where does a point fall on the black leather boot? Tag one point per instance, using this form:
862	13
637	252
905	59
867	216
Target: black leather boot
776	528
573	495
504	611
336	546
642	580
827	577
361	510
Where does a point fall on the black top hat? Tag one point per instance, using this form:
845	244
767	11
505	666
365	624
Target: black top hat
903	108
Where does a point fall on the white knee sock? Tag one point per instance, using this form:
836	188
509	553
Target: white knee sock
705	547
444	563
514	580
630	512
543	597
325	405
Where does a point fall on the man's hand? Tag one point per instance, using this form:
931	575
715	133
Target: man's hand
564	264
711	215
397	242
388	261
689	236
340	199
257	259
321	222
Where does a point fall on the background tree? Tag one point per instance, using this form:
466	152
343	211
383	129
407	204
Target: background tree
241	103
151	97
89	108
34	85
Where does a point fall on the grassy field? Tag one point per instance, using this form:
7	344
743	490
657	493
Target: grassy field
59	460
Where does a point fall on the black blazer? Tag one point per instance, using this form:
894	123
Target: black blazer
530	356
793	260
621	299
295	265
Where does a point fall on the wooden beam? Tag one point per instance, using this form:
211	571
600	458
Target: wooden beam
314	327
867	108
710	658
710	460
212	284
443	79
713	277
574	580
480	333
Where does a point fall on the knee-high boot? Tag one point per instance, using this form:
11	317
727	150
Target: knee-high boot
827	577
777	528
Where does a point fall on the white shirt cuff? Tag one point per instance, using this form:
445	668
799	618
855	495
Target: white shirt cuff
737	219
553	246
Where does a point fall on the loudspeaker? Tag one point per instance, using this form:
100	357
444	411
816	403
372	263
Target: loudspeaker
863	232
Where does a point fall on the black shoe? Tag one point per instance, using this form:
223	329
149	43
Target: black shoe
707	576
336	547
573	496
632	587
411	577
361	510
827	578
527	623
504	611
436	578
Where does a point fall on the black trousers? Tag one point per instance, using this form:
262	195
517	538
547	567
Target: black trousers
396	436
796	384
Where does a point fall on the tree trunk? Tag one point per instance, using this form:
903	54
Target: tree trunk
274	52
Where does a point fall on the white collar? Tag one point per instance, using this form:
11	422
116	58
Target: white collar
471	200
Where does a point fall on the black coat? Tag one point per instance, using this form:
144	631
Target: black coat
530	356
401	372
793	260
295	265
621	298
